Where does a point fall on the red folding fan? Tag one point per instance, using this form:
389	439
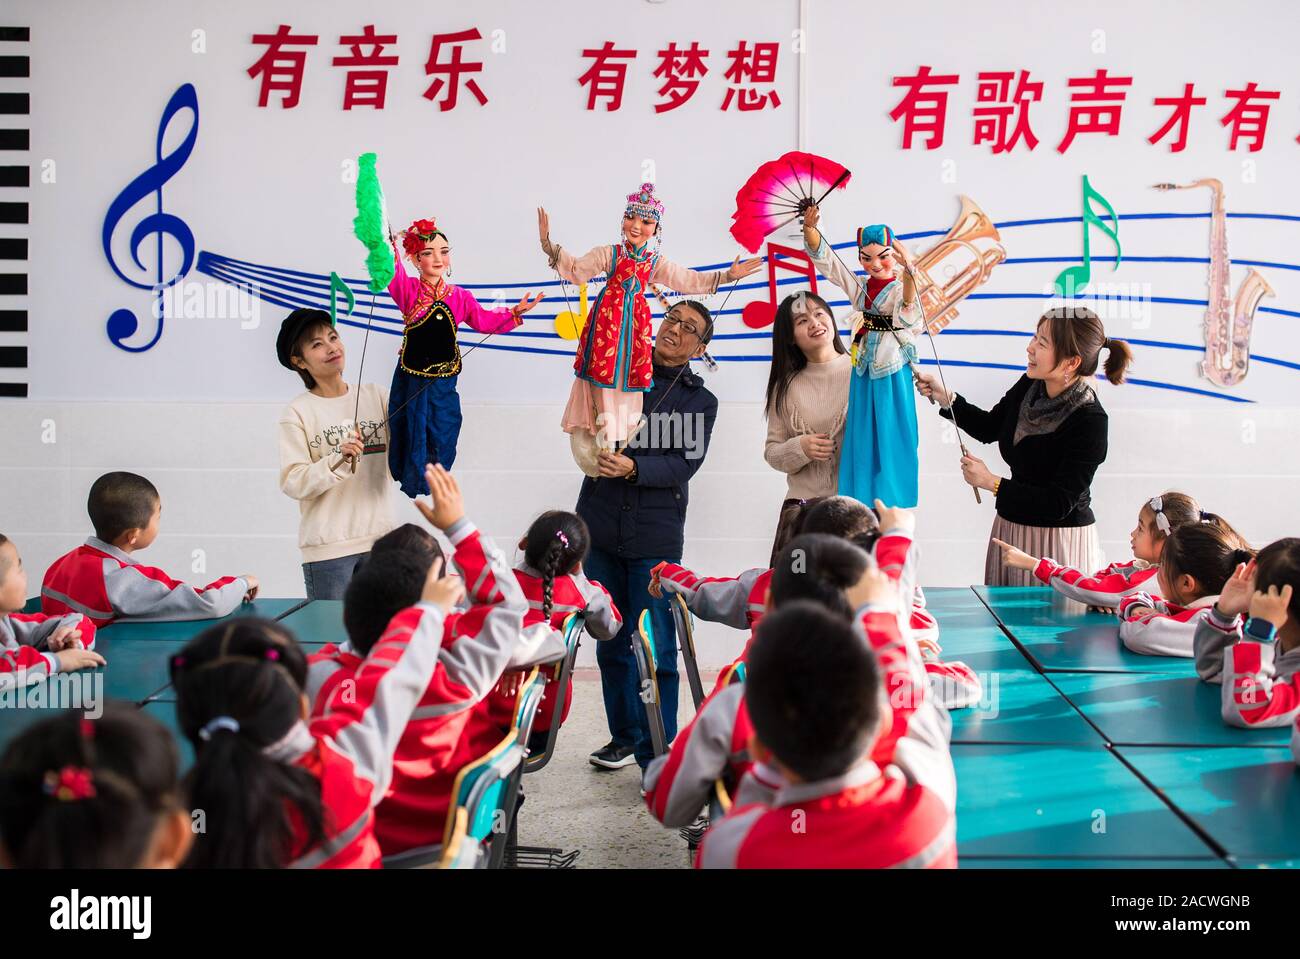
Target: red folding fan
780	191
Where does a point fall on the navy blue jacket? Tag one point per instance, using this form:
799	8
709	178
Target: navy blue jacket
647	519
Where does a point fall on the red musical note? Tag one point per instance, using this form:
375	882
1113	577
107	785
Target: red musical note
758	314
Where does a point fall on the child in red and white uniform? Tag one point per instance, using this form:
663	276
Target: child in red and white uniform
64	778
816	693
33	645
279	790
104	583
1258	660
478	645
553	583
715	746
1196	562
1103	590
740	601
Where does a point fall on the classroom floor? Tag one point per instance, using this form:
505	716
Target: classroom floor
1081	755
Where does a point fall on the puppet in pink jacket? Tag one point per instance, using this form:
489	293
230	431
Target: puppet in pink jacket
424	425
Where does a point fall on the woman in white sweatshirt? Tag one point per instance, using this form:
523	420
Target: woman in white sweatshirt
333	455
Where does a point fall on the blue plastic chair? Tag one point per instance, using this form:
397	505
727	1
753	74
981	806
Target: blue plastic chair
643	649
561	673
686	637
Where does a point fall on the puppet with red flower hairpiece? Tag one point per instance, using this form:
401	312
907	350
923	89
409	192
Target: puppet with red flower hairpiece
614	365
426	423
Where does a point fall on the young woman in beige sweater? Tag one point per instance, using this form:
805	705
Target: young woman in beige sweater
807	403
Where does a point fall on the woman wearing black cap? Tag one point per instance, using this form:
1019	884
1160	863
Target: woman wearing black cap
333	455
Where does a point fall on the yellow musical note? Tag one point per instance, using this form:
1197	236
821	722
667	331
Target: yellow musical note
1074	279
569	324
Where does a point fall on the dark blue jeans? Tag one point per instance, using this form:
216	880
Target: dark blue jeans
626	580
329	578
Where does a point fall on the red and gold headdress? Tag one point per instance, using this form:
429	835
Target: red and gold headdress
419	233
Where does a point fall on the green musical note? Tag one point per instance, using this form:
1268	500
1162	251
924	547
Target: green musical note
337	286
1075	278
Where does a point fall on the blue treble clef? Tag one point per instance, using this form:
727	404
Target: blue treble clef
123	323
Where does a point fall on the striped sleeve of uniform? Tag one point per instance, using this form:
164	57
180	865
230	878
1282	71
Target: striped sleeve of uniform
35	629
917	741
603	620
367	726
1154	627
1104	588
145	593
489	638
679	783
728	600
1254	696
1214	635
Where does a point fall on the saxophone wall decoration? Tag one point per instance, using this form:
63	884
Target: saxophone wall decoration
1227	325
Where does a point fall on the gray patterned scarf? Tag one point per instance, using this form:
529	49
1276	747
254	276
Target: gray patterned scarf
1040	413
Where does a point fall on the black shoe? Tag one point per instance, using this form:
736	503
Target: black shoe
613	756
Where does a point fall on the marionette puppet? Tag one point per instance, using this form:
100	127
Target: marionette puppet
879	459
613	366
426	418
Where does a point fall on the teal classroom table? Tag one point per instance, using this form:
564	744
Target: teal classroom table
188	629
317	622
1246	799
165	713
1058	635
1065	801
1152	709
974	862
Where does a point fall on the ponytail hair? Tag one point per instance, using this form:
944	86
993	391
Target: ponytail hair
77	793
556	543
1207	553
1077	331
1180	509
239	689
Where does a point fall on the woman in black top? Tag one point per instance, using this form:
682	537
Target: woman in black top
1051	431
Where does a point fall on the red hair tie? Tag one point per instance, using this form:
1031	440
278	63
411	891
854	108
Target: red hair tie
70	784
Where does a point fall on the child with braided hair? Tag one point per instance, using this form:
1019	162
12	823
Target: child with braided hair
553	581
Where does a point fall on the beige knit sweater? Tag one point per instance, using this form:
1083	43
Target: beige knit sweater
817	402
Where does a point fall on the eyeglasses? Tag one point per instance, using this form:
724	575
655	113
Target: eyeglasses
690	329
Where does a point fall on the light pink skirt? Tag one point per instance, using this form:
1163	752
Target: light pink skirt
610	414
1074	546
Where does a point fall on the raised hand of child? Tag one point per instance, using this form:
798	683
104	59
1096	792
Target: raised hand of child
1234	598
446	505
71	660
65	637
1271	606
894	518
443	591
1015	557
873	588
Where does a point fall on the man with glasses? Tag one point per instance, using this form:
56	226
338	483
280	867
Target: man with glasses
636	511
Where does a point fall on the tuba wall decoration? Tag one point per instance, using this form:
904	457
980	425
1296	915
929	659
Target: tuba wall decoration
974	242
1227	326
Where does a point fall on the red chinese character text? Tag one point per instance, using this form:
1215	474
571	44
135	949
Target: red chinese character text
991	121
1095	109
681	71
606	75
758	66
281	69
1249	120
1182	112
366	88
448	74
923	111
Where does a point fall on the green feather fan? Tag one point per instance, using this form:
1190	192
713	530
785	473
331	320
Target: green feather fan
371	224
